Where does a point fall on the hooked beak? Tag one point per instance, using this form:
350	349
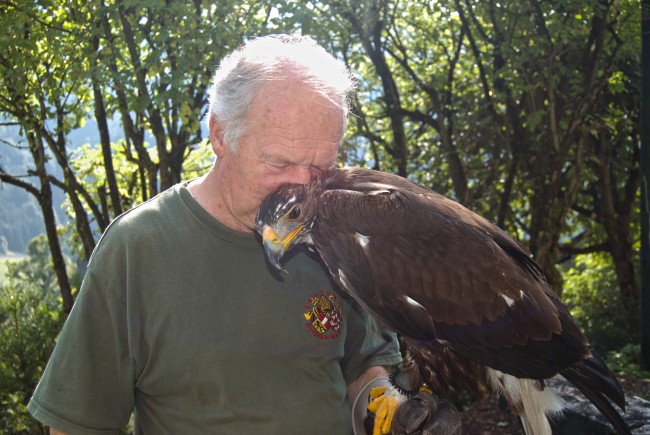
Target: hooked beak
275	247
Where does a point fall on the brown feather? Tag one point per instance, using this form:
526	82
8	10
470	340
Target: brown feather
463	294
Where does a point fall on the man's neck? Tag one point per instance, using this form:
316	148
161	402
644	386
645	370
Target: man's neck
206	192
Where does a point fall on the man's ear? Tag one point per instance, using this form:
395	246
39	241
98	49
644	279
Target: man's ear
216	137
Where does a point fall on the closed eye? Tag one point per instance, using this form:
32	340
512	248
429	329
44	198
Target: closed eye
277	165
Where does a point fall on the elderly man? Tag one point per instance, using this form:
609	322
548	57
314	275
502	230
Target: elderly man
179	317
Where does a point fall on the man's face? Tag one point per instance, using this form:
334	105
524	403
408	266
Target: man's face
292	132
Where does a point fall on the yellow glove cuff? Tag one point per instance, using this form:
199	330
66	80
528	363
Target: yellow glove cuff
360	404
384	403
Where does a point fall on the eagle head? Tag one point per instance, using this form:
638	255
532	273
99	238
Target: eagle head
285	219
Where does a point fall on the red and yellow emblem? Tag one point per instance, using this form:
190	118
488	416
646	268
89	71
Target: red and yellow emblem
324	316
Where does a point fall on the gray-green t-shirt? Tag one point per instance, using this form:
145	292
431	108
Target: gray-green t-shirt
181	319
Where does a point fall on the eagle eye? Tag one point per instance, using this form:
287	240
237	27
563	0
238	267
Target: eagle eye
295	213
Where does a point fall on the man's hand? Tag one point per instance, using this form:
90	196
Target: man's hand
426	414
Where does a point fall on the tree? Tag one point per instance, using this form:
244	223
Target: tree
30	319
517	110
556	102
156	60
148	62
524	112
645	201
43	95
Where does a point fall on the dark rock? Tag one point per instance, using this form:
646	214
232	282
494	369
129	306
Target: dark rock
582	417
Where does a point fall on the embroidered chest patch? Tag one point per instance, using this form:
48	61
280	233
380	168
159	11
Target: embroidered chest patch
324	316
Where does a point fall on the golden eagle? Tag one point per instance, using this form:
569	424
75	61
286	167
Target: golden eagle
469	302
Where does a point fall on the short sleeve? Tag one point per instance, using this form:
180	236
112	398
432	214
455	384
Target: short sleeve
367	344
88	384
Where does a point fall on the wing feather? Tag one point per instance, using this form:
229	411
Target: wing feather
429	269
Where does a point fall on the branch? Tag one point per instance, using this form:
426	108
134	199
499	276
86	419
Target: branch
569	251
13	145
483	76
15	181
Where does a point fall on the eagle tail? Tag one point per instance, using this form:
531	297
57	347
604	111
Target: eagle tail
528	398
597	383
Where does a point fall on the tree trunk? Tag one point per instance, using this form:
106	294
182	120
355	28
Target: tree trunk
369	30
44	198
614	214
105	140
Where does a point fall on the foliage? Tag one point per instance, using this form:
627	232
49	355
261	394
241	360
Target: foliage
147	63
626	360
592	296
30	319
525	112
87	162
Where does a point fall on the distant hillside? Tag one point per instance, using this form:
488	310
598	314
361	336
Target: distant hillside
20	215
20	218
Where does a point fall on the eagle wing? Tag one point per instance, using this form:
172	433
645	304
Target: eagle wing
431	269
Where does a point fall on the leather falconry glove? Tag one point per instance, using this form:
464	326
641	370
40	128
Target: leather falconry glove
406	408
426	414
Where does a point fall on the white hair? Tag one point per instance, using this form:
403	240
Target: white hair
240	77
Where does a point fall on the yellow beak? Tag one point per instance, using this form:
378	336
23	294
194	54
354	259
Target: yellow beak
274	246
